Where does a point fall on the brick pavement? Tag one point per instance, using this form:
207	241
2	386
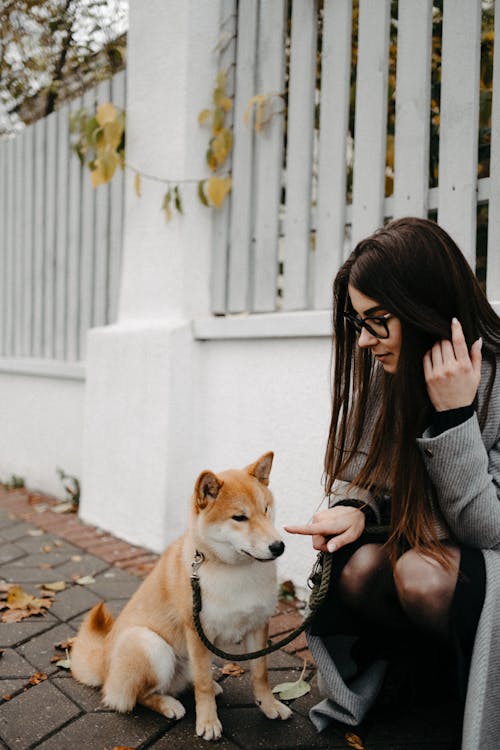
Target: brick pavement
53	712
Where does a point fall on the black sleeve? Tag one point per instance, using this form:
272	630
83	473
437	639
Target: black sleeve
445	420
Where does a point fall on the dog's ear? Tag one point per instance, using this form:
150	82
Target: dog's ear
207	488
262	468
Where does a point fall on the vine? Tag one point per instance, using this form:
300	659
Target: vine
99	142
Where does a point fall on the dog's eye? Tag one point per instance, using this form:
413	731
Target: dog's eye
241	517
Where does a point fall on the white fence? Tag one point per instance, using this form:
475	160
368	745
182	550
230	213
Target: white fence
290	221
60	240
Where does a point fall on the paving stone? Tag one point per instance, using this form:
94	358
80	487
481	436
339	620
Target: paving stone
13	664
183	735
40	650
250	729
9	552
11	634
29	717
20	574
9	687
88	698
105	731
73	601
34	544
86	566
14	532
110	589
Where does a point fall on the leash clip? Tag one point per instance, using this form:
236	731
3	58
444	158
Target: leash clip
197	560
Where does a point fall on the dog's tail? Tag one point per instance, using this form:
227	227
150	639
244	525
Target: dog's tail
87	653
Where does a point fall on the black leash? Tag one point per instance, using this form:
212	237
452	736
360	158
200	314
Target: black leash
318	580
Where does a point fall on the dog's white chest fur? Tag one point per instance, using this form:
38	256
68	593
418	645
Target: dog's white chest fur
236	601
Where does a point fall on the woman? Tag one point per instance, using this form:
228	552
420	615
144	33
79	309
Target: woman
415	431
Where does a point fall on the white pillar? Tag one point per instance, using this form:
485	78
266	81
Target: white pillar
138	457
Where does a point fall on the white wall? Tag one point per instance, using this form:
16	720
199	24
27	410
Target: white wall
269	394
42	420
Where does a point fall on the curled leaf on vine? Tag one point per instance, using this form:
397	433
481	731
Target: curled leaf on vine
166	208
137	184
178	199
216	190
261	107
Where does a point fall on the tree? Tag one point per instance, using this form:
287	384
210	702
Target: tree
51	50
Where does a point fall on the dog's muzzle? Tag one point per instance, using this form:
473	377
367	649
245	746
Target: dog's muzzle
277	548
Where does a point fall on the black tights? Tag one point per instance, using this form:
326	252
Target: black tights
418	589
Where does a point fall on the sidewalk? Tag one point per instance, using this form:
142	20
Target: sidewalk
41	706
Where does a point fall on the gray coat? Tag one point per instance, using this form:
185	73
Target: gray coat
464	466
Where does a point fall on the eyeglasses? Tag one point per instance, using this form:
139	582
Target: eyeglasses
376	325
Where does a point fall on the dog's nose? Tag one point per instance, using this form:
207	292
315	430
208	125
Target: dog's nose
277	548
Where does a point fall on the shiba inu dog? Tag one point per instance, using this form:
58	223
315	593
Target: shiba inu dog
152	651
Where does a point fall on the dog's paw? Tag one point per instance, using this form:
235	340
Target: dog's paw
274	709
209	729
171	707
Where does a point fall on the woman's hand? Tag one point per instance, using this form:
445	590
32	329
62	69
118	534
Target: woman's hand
333	528
452	375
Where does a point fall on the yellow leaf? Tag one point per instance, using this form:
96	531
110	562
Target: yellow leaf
354	741
204	115
137	184
218	120
112	134
105	166
97	175
232	669
105	113
216	189
225	103
56	586
221	146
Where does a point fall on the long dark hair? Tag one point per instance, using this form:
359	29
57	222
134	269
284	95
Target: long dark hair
414	270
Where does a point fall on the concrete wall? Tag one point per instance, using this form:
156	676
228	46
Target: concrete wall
42	422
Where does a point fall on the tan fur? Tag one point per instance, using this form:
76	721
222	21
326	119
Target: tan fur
152	651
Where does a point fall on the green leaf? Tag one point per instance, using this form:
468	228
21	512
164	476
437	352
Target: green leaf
288	691
201	193
177	199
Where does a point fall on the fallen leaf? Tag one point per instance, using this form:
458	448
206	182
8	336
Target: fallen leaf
6	697
85	580
62	508
45	566
56	586
120	747
36	532
354	741
76	558
47	548
63	645
20	604
36	678
64	663
232	669
288	691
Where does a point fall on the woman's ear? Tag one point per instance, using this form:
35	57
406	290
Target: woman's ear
262	468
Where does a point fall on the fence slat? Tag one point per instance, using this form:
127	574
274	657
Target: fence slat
458	139
62	207
3	239
413	88
18	247
493	260
9	250
75	178
38	239
51	222
87	243
268	155
301	105
99	285
220	231
28	241
240	240
116	192
332	169
370	118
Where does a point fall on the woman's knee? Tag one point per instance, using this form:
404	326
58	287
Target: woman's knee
421	581
361	571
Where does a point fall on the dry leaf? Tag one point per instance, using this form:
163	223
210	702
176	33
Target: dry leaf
76	558
232	669
105	113
56	586
47	548
137	184
63	645
20	604
288	691
37	678
216	189
36	532
354	741
6	697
